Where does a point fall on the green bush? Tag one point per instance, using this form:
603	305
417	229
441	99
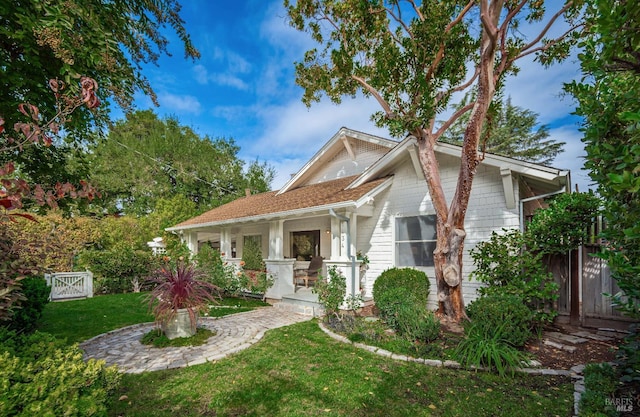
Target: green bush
331	291
40	376
600	384
396	287
506	268
218	272
36	296
119	270
490	312
489	348
416	323
252	254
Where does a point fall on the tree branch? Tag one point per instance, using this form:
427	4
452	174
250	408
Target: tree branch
452	119
548	26
460	16
383	103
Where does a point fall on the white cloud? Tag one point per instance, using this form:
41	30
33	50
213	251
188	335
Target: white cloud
295	131
179	103
573	156
201	74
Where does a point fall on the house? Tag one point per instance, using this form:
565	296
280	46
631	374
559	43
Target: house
365	195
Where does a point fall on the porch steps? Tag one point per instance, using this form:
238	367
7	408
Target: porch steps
303	302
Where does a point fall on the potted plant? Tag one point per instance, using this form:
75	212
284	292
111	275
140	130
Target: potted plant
179	296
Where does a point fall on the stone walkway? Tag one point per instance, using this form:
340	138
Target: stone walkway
235	332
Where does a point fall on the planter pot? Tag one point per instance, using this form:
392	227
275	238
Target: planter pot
179	326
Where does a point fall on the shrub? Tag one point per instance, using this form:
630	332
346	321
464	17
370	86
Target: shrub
41	376
599	384
491	312
502	263
116	270
252	254
258	282
396	287
331	291
36	296
484	347
416	323
628	357
217	271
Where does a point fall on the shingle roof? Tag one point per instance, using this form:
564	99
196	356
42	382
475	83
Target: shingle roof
315	195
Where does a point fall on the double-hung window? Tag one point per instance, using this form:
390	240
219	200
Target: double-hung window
415	240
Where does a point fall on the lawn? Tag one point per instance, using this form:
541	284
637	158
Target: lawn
79	320
300	371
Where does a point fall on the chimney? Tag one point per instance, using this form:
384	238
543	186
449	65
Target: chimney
247	192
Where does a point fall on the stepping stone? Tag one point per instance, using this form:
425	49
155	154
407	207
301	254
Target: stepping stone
574	340
557	345
593	336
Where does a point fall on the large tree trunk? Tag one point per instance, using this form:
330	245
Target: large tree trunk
449	241
450	220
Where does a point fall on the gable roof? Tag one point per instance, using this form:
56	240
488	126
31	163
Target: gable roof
339	141
302	200
298	198
542	173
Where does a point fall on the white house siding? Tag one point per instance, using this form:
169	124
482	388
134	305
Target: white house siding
341	165
409	196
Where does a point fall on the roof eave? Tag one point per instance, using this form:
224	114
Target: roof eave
266	217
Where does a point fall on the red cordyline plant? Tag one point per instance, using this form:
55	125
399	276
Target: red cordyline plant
180	287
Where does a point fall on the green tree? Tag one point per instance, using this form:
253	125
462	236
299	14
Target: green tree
145	159
411	56
511	131
608	101
66	39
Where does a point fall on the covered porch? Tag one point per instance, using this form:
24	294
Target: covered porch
290	242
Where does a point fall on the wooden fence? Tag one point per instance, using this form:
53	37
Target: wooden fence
584	279
70	285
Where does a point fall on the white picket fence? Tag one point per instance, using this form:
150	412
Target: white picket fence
68	285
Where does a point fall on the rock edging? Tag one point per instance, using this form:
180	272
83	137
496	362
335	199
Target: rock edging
575	373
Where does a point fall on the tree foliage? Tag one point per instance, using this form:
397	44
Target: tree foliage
66	39
411	57
53	241
510	131
146	159
608	101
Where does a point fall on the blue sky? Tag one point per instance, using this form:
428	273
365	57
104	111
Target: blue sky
243	87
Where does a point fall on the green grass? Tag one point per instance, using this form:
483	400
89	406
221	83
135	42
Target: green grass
299	371
79	320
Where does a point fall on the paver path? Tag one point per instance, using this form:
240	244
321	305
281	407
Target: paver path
235	332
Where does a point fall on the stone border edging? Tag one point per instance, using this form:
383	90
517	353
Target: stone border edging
575	373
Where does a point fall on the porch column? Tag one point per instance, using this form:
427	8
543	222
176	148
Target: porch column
225	242
281	270
335	238
276	239
191	240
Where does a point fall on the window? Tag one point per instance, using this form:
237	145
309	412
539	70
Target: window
305	245
415	240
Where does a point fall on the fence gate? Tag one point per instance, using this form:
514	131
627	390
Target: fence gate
67	285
